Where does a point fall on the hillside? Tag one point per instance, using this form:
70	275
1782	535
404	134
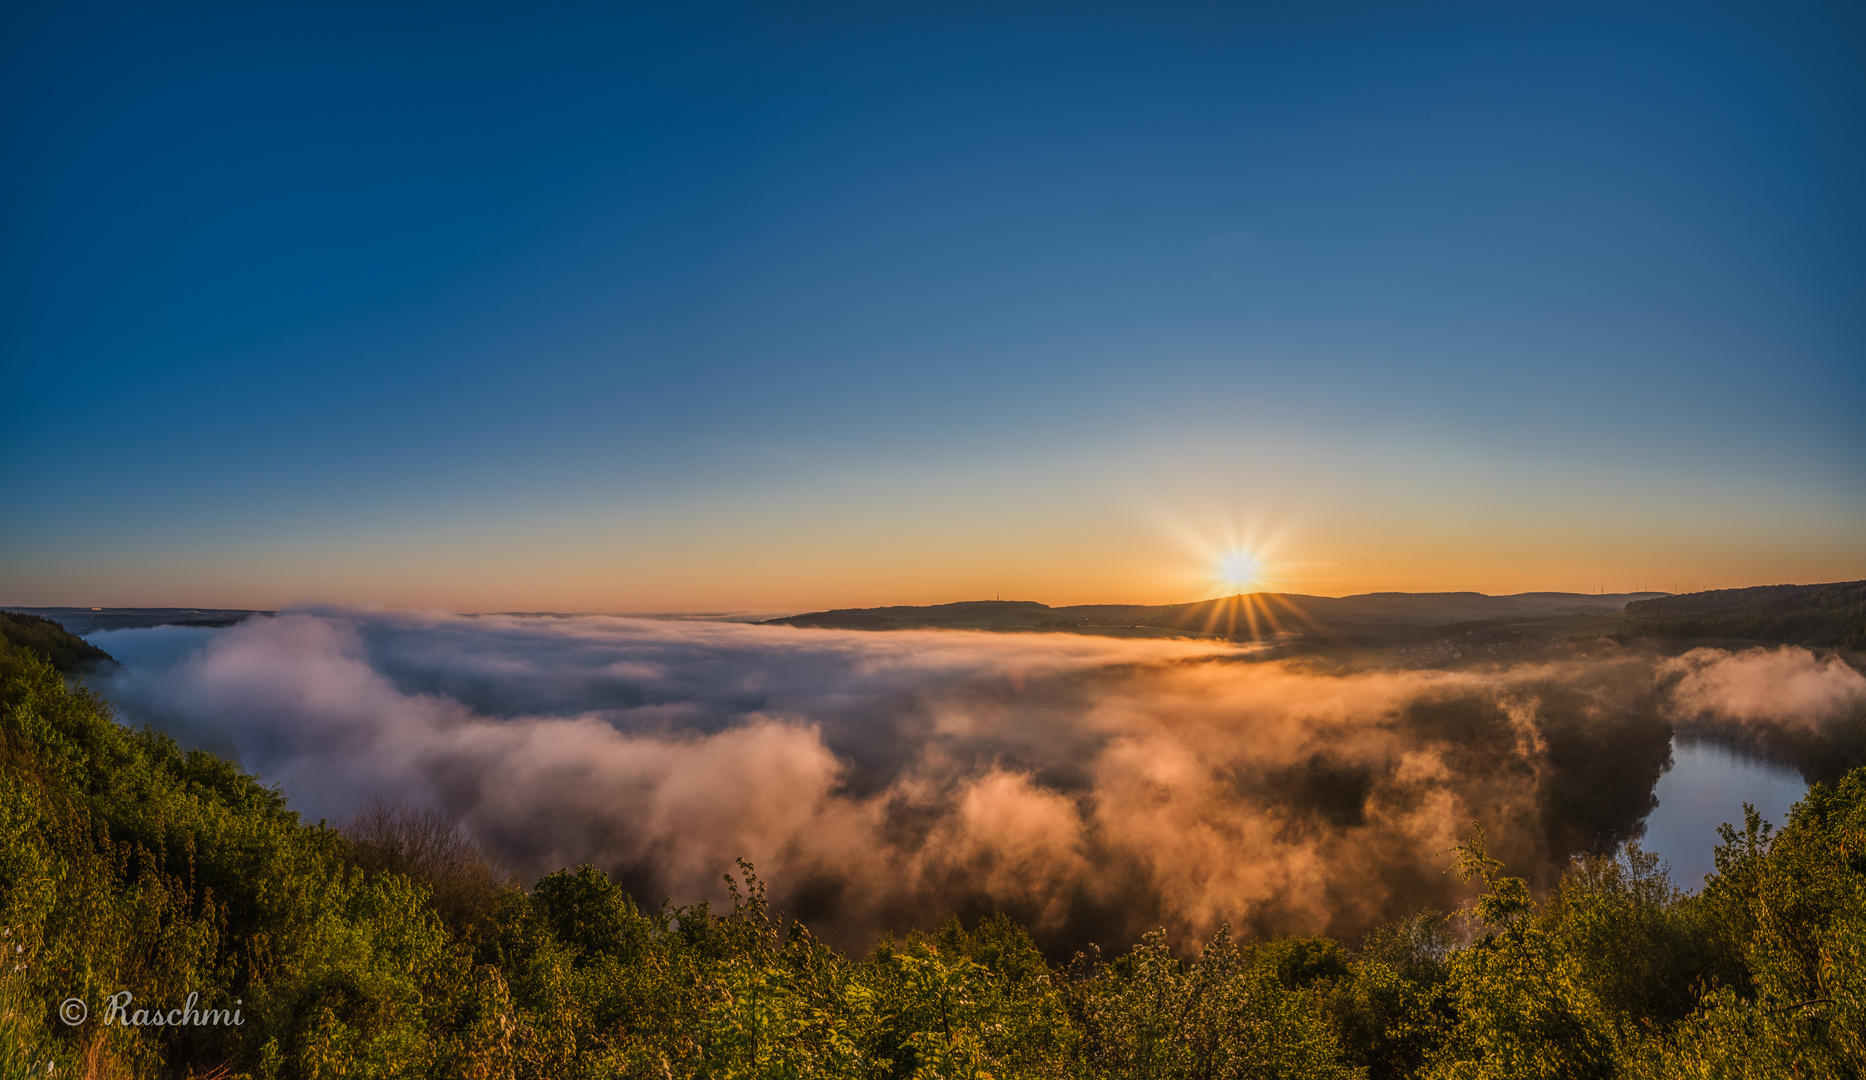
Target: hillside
1823	616
1375	616
66	651
80	620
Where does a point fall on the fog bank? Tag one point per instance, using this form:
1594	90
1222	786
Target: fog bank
1093	786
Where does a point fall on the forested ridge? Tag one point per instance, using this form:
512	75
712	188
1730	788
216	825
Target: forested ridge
392	948
36	633
1831	615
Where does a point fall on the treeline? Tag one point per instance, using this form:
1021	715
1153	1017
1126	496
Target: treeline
36	633
1819	616
393	949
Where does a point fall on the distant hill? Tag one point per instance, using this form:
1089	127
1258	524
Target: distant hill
80	620
1249	615
1830	616
67	651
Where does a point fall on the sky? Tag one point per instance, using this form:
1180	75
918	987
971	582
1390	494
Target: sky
733	307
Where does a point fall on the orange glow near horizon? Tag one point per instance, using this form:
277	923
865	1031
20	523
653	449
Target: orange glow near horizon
780	581
788	563
1229	560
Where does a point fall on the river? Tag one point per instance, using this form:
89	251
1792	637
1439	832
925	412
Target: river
1706	785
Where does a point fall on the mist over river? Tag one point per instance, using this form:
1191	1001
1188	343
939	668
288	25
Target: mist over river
1093	787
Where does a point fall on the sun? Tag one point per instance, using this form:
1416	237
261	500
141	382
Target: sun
1226	556
1237	570
1243	563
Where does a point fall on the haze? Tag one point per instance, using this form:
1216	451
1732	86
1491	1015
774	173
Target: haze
1096	786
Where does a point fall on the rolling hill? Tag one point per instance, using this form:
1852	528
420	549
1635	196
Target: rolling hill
1830	616
1369	615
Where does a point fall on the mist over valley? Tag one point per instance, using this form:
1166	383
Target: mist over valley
1093	785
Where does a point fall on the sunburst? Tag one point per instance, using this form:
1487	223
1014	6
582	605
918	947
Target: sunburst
1243	567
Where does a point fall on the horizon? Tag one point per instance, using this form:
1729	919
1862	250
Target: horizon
313	605
157	597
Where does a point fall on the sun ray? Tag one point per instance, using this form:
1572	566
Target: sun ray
1242	563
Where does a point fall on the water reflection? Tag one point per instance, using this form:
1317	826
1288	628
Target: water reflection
1706	786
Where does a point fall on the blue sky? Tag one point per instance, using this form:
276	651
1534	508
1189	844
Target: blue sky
595	307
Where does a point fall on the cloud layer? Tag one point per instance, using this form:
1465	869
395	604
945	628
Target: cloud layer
1784	686
1093	786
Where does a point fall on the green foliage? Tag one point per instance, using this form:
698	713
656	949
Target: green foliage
1642	948
393	948
1524	1008
35	633
464	885
1795	903
966	1003
1229	1013
127	865
1393	1010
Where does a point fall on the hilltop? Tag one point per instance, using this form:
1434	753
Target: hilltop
1831	615
1368	616
67	652
82	620
1821	616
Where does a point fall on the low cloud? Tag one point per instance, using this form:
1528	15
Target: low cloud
1784	685
1094	786
1783	704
